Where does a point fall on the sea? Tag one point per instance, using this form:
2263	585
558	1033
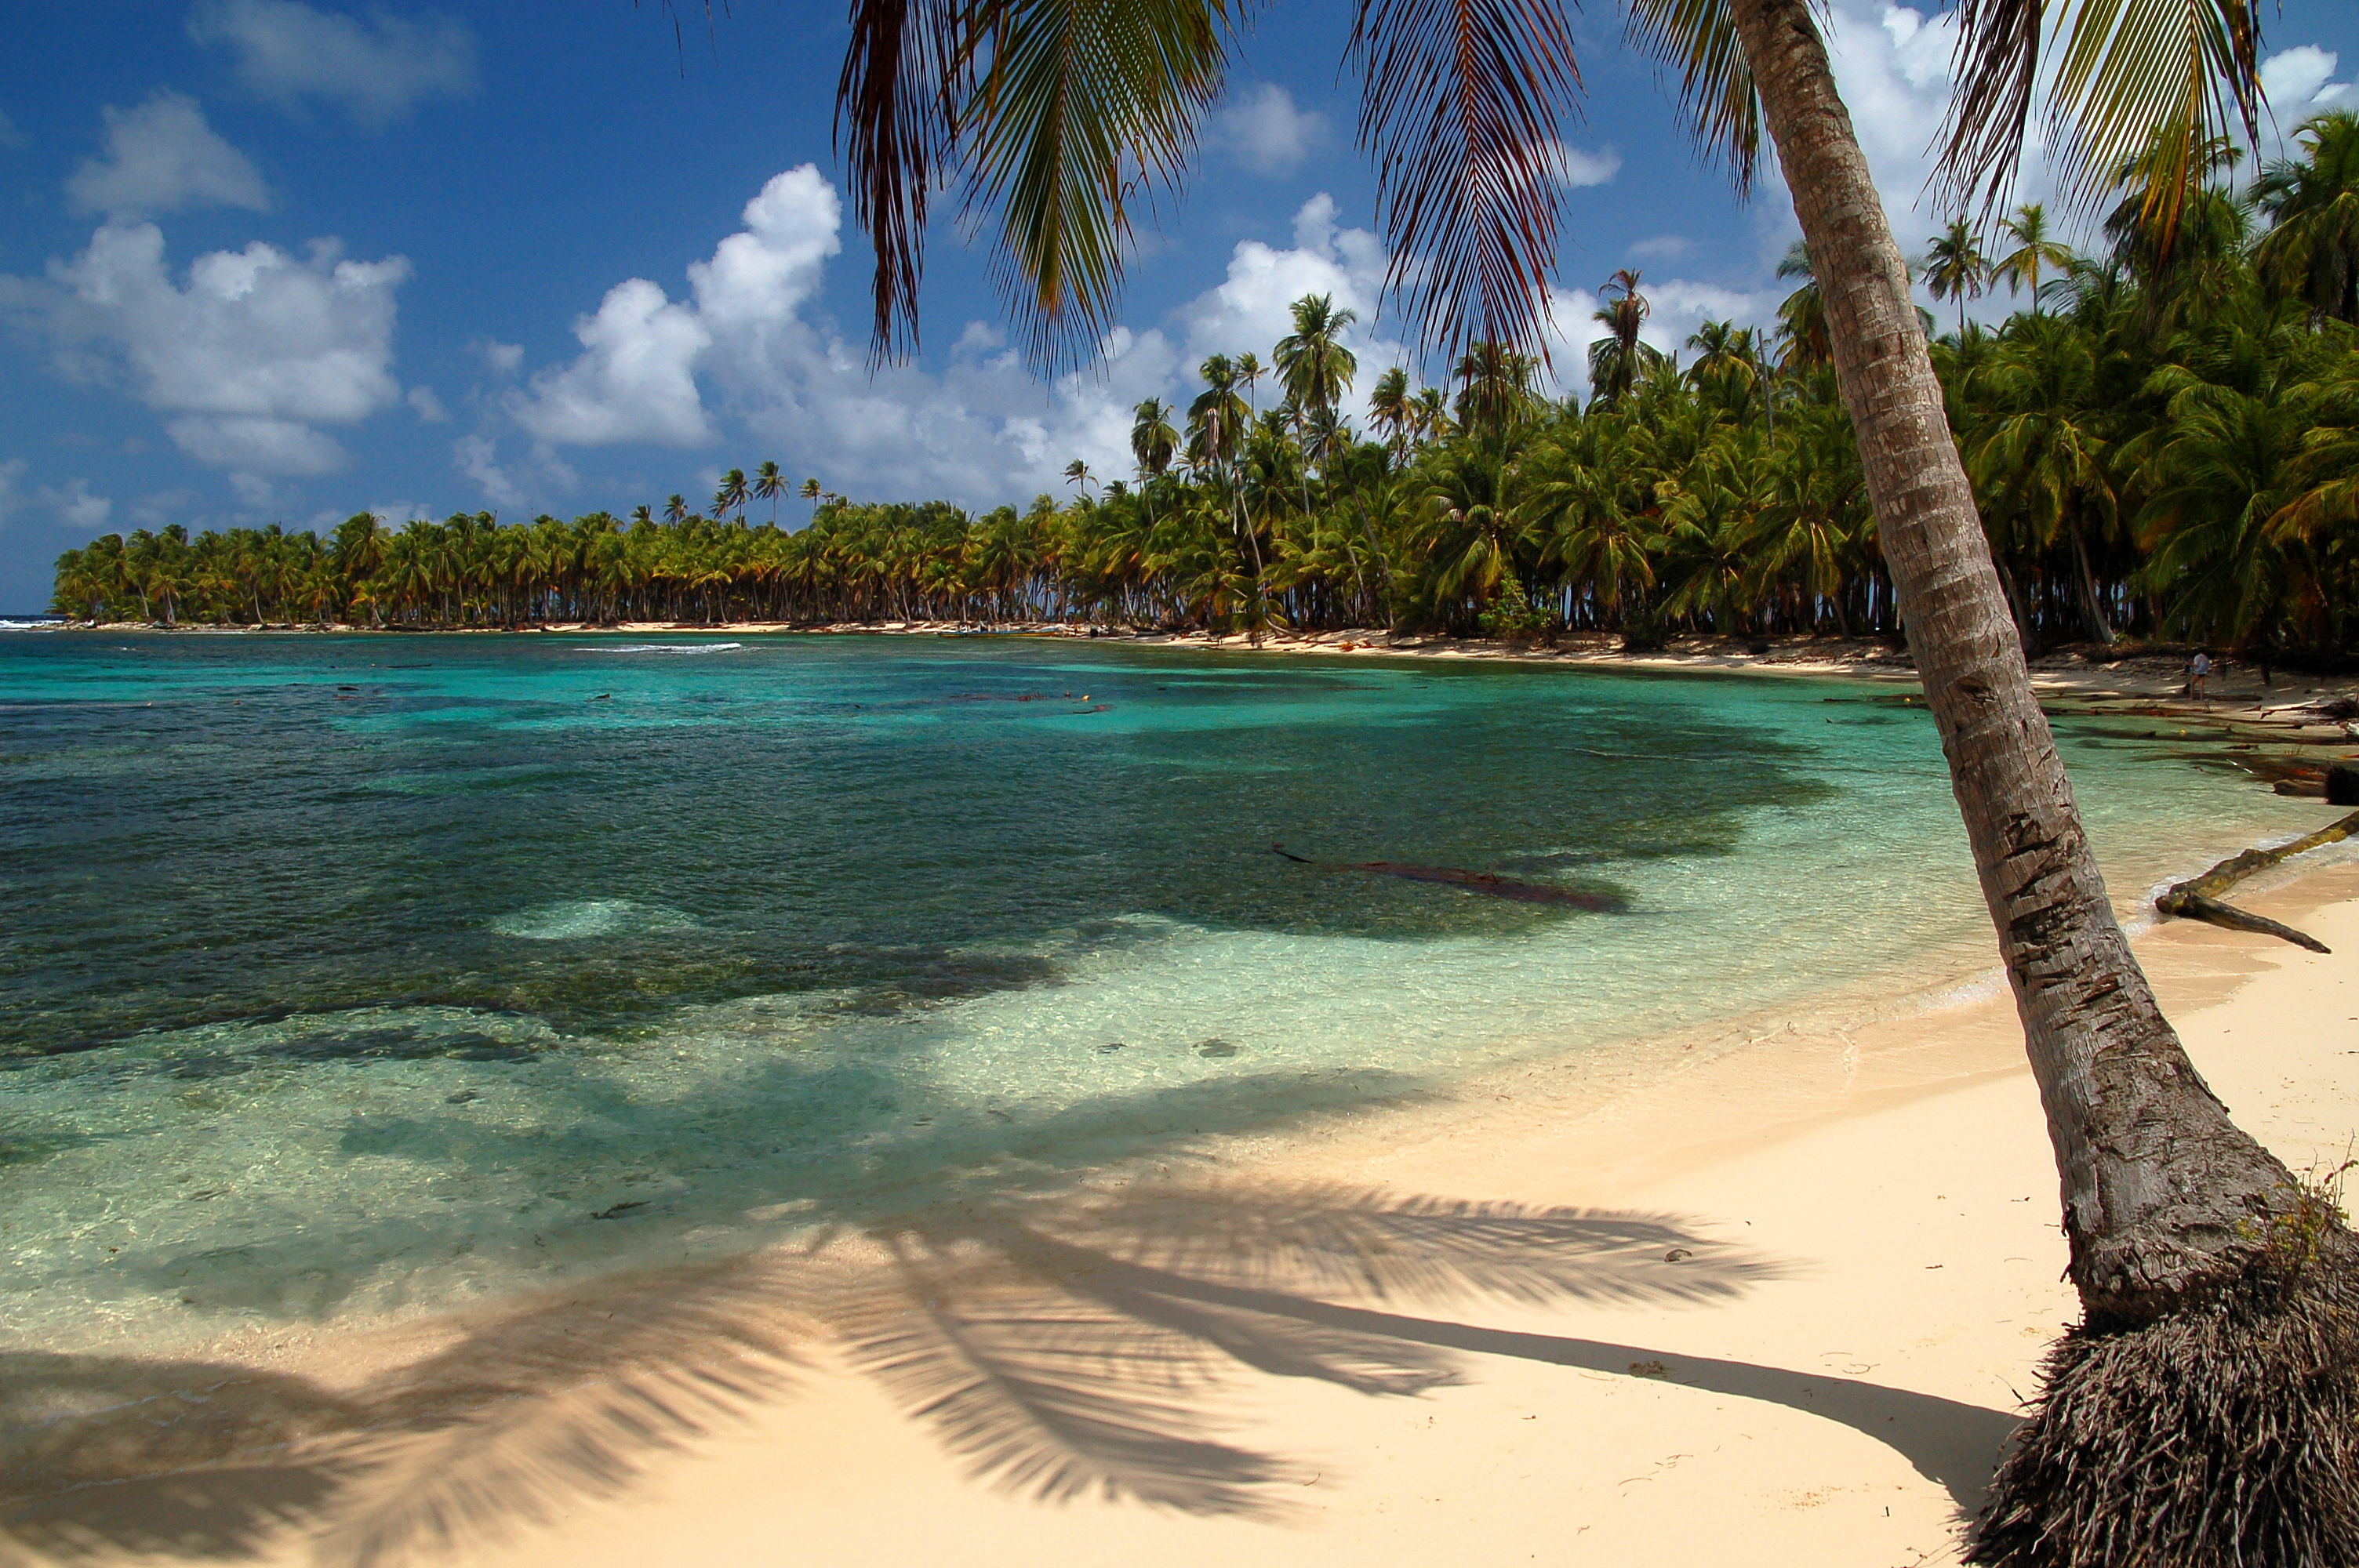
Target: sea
347	977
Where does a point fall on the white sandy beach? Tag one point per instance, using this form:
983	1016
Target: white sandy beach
1306	1366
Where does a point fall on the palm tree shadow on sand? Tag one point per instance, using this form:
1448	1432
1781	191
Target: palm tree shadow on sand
1060	1346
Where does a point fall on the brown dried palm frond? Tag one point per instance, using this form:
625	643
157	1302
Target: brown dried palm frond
1460	103
1698	39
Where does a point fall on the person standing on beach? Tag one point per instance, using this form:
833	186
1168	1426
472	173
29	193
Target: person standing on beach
2198	671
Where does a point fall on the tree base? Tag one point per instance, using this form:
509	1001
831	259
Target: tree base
2225	1435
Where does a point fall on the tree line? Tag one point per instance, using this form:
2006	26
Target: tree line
2163	442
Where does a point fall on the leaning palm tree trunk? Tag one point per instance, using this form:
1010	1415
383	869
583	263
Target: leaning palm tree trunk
2174	1427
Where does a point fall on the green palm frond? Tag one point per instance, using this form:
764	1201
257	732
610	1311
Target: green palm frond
2122	79
1055	117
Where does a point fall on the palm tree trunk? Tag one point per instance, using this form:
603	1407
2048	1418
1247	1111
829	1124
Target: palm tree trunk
2161	1189
2091	603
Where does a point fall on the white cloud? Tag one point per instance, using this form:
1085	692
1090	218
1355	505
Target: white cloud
1262	128
256	445
2300	82
288	51
477	458
1576	169
503	358
427	406
254	352
1661	247
160	157
635	381
745	352
77	508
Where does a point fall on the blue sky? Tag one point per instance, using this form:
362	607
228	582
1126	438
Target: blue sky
277	261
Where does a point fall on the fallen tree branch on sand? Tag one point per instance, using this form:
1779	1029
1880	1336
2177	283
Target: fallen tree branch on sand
2198	898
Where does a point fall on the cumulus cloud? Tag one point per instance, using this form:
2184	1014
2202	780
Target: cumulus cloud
375	70
1263	128
426	406
743	356
76	507
743	352
250	355
161	157
635	381
2300	82
1576	169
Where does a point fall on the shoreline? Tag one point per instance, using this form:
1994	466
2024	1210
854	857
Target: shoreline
1499	1345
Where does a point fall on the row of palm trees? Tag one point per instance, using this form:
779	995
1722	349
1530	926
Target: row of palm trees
2164	444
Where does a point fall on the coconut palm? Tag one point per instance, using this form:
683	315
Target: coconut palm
2161	1222
1153	440
768	485
1314	368
811	492
676	508
1955	268
2311	250
2036	251
732	494
1390	409
1615	360
1077	473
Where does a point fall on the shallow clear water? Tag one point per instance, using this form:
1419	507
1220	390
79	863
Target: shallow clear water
342	974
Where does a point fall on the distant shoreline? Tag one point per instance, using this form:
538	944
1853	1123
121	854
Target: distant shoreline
2071	679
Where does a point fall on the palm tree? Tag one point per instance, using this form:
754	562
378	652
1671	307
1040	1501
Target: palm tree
2035	250
732	495
1391	410
2311	250
1078	472
1153	441
2168	1204
768	485
1956	269
1495	388
810	492
676	509
1313	366
1615	359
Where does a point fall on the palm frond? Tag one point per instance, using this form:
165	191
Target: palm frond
1461	104
1698	39
2159	80
894	107
1080	109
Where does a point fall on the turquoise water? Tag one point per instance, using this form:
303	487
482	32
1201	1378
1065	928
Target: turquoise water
342	974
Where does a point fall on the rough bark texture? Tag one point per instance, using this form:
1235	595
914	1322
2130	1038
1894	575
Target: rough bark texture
2165	1199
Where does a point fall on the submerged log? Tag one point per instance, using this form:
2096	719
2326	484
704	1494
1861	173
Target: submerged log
2199	897
1485	882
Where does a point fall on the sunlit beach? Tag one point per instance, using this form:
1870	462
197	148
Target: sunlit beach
1040	786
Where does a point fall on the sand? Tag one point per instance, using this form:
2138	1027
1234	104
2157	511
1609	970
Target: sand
1774	1304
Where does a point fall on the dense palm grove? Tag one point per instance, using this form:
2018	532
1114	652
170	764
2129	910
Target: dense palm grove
2165	442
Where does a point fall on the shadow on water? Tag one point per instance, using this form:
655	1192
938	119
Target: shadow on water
1060	1345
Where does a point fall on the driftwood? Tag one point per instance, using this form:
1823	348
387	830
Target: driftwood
1472	882
2198	898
